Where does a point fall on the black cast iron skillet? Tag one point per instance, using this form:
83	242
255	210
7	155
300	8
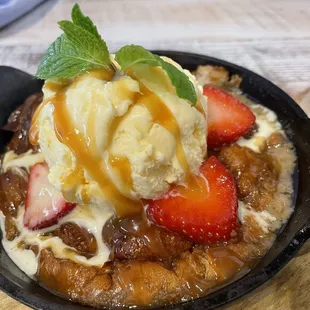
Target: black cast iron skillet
15	86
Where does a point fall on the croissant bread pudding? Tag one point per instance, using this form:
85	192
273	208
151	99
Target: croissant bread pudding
132	182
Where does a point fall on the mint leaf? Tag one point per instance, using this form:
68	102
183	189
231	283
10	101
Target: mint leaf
131	55
78	50
183	86
81	48
64	60
87	43
83	21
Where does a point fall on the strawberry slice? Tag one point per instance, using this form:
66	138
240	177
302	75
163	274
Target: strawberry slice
44	204
205	211
228	118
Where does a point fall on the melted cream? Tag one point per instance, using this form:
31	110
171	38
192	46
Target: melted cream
268	124
25	160
90	217
263	218
24	259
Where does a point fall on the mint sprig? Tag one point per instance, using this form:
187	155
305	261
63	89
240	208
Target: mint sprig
78	50
88	44
131	55
83	21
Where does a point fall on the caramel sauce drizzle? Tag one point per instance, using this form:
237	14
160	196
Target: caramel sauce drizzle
85	150
61	86
164	117
67	134
199	107
122	165
55	87
226	262
91	128
194	190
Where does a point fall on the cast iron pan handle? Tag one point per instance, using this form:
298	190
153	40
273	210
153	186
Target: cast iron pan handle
16	86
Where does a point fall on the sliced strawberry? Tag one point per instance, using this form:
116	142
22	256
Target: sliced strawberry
206	211
228	118
44	204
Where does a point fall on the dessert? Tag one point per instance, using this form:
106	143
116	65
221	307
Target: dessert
139	183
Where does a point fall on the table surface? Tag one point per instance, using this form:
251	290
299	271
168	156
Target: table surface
271	38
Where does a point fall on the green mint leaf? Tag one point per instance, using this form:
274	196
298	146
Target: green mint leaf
131	55
64	60
78	50
87	43
183	86
83	21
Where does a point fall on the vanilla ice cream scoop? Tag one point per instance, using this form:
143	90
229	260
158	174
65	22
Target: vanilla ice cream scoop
112	139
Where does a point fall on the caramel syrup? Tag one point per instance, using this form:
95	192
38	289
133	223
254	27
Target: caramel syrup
164	117
67	134
85	150
122	165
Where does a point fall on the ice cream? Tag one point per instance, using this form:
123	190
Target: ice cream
110	139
